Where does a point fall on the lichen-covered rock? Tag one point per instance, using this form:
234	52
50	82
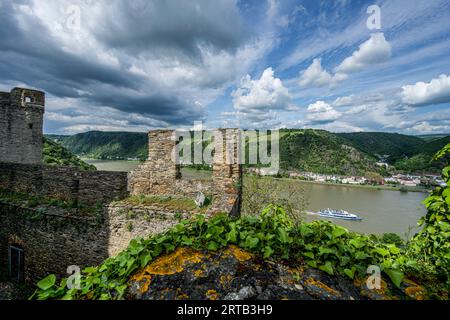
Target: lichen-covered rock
234	274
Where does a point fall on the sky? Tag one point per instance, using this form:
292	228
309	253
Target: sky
342	66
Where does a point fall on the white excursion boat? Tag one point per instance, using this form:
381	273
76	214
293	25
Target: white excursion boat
338	214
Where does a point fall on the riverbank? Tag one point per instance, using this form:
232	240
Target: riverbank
364	186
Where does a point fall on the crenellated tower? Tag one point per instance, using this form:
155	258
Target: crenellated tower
21	126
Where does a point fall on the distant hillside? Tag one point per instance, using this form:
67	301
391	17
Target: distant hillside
422	154
431	137
301	149
55	154
396	146
106	145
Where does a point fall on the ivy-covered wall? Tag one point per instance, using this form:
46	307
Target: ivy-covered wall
62	182
51	240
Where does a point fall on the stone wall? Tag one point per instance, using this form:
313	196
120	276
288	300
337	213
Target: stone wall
66	183
160	173
51	241
21	120
127	222
57	238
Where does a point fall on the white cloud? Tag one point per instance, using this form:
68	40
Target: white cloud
373	51
322	112
357	109
266	93
434	92
425	127
316	76
344	101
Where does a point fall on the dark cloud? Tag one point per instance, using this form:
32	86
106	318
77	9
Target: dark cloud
176	27
174	32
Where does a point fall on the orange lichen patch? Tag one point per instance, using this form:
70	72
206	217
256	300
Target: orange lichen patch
238	253
212	295
322	286
416	292
174	262
198	273
144	281
225	279
182	296
167	265
296	270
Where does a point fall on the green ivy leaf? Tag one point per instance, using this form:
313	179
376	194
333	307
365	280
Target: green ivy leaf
309	254
396	276
338	231
145	259
282	235
47	282
327	267
251	242
213	246
268	252
350	273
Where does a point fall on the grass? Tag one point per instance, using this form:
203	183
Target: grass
33	201
167	202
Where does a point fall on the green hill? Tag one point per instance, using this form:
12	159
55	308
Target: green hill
323	152
55	154
106	145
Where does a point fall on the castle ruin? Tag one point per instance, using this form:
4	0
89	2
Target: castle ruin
37	241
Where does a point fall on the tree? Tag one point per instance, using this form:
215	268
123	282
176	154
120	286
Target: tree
374	177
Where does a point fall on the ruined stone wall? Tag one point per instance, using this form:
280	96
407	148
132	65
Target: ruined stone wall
127	222
21	126
160	173
51	241
66	183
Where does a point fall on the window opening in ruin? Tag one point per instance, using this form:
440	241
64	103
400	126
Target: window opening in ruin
28	100
16	263
192	170
30	126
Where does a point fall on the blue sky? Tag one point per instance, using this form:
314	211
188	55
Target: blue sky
117	65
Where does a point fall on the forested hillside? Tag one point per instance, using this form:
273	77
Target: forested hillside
55	154
106	145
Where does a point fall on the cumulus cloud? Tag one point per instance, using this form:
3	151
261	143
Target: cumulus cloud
434	92
316	76
321	112
261	95
373	51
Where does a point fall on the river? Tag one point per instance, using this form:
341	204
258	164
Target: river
382	211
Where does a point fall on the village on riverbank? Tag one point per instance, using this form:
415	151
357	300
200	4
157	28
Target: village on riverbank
406	182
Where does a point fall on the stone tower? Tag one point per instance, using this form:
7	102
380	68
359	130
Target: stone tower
21	126
160	173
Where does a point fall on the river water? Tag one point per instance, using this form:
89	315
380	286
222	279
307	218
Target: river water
382	210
